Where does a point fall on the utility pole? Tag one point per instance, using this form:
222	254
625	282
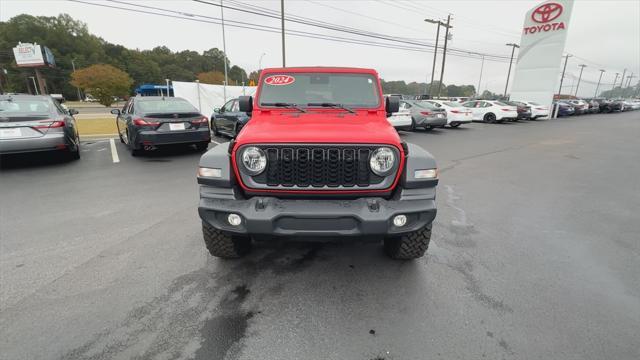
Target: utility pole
284	62
444	51
566	59
513	49
168	91
435	52
629	83
73	65
598	86
224	49
582	66
614	83
480	79
622	80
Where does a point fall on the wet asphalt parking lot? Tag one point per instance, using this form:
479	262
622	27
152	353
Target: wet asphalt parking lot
535	255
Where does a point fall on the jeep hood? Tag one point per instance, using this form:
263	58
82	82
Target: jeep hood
319	127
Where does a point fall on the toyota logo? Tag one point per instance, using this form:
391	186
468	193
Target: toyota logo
546	12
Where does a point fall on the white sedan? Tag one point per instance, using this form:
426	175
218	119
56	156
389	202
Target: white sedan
456	113
491	111
401	120
537	110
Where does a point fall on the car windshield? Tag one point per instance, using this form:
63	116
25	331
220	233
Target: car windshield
453	104
25	106
352	90
168	105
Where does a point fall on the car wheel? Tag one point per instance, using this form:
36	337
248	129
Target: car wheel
413	125
454	125
408	246
202	146
489	118
119	133
132	146
214	128
224	245
75	154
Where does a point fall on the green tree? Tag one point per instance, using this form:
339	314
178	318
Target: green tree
103	82
211	77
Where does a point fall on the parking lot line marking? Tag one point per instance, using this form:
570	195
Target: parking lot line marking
114	151
215	142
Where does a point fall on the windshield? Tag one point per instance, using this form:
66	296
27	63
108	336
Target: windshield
452	104
167	105
25	106
352	90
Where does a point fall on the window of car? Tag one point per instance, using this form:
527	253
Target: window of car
164	105
470	104
236	106
453	104
483	104
26	106
228	106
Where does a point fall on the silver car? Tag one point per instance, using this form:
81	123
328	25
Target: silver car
33	123
424	115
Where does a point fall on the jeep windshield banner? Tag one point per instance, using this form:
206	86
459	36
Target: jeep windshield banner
541	46
302	89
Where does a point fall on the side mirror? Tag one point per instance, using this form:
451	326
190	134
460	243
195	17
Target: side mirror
73	112
245	103
217	110
392	105
115	111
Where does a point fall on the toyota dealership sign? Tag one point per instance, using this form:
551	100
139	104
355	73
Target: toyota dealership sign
33	55
541	46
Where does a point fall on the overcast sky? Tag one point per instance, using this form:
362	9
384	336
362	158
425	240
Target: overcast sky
602	34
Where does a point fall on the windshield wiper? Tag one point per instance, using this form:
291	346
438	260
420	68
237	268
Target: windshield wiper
332	105
285	105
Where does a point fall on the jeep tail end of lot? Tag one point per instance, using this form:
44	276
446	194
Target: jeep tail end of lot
318	159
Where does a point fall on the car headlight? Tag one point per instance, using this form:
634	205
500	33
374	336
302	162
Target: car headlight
254	160
382	161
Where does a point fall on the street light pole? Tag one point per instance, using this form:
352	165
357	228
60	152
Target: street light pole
444	51
622	80
224	49
480	80
582	66
598	86
566	59
284	62
260	62
513	49
435	53
614	83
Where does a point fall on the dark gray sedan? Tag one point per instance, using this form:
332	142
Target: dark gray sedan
424	115
146	122
228	120
33	123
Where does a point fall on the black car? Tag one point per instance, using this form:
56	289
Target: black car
594	106
607	106
228	120
524	110
146	122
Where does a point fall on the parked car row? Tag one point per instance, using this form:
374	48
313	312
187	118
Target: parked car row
593	106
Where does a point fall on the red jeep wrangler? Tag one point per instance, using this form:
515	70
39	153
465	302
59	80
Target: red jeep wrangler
317	159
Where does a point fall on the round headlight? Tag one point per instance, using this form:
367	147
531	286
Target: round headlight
381	161
254	160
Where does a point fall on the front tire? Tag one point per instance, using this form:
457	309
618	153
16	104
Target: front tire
223	245
489	118
214	128
408	246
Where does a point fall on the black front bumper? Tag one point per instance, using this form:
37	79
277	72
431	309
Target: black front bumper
296	217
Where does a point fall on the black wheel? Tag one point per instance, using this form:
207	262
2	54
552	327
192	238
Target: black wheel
119	133
214	128
132	146
489	118
223	245
413	125
75	154
409	246
202	146
454	125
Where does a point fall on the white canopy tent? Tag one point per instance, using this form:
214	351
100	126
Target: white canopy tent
206	97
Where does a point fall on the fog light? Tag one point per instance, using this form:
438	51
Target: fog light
400	220
234	219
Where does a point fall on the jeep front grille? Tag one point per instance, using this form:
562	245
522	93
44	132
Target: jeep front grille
319	166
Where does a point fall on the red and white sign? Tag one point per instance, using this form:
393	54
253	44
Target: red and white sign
279	80
543	15
28	55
